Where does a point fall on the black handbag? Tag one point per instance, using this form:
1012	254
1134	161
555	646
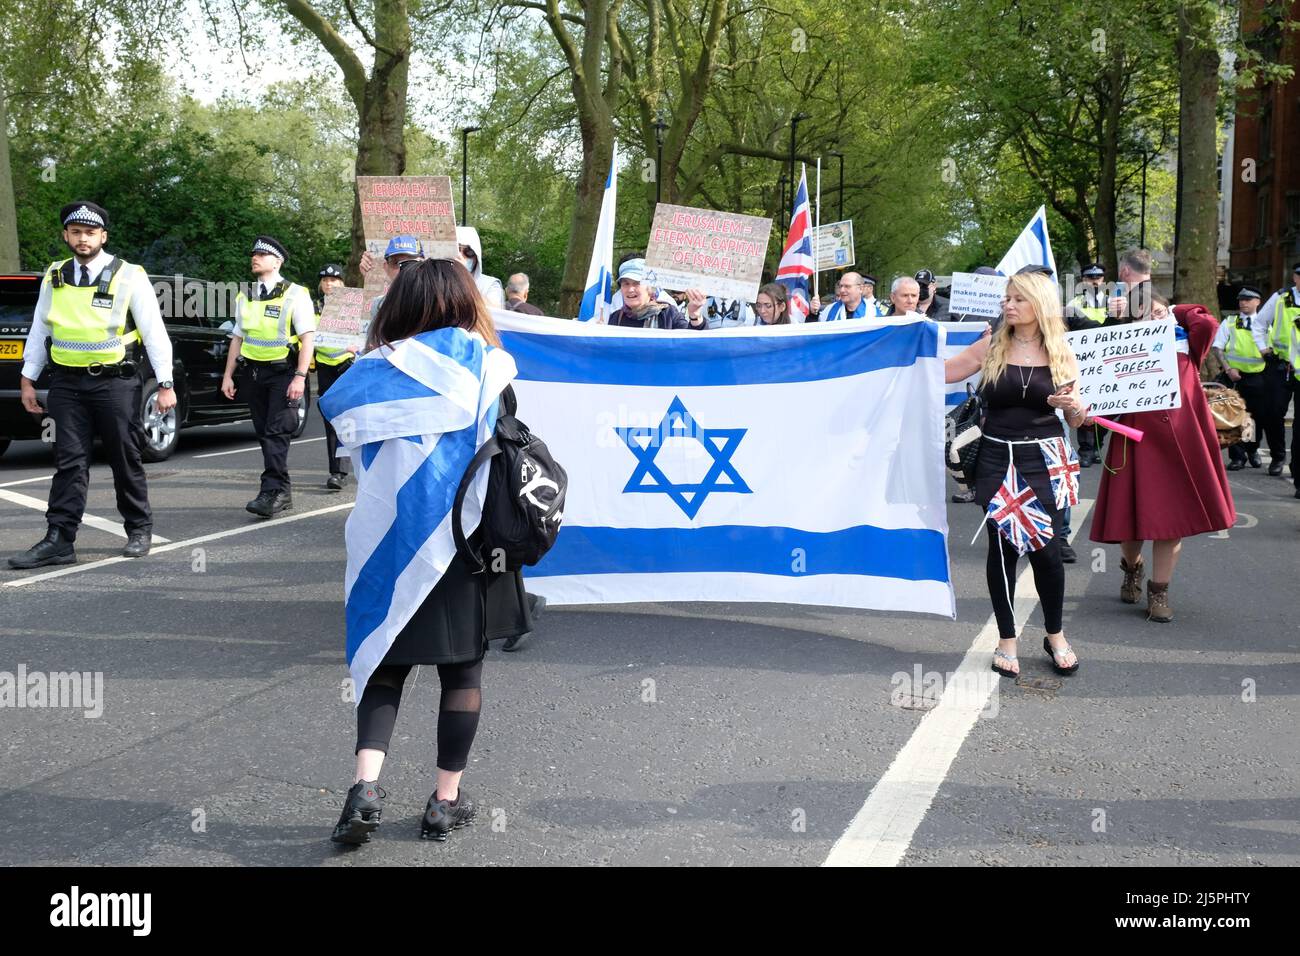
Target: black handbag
962	433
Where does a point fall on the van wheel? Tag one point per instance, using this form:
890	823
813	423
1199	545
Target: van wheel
304	408
161	431
4	445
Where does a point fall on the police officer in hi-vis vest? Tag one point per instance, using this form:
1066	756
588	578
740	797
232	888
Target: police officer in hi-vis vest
1282	359
271	346
1239	345
92	310
330	364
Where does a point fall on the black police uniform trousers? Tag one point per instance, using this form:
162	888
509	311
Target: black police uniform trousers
1264	406
1280	387
327	375
83	406
263	385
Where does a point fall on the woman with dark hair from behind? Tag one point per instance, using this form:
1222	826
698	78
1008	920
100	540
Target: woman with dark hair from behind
411	598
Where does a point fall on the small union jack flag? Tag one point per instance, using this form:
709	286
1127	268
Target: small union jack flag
1020	517
1063	468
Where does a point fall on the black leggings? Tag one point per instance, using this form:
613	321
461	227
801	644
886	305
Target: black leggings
1049	579
458	710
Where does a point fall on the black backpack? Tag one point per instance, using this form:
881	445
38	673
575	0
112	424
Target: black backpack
962	439
524	502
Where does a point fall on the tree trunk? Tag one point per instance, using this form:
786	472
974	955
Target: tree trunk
381	144
9	260
597	154
1197	239
1108	173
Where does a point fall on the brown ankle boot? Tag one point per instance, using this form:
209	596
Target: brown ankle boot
1131	589
1158	608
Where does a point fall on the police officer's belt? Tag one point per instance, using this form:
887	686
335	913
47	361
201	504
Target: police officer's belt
124	369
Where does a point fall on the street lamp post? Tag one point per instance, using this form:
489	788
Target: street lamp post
464	172
785	221
660	126
794	126
1142	228
840	156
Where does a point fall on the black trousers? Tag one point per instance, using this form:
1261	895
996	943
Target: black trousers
1264	402
82	407
275	419
327	375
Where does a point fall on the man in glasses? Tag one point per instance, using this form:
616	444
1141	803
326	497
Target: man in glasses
400	249
851	301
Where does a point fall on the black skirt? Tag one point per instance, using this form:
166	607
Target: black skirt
461	614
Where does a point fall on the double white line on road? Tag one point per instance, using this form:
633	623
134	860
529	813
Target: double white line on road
882	830
178	545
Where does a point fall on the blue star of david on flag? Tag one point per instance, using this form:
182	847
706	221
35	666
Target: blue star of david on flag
649	478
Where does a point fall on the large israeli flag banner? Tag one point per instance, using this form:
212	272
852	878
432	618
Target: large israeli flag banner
797	464
958	336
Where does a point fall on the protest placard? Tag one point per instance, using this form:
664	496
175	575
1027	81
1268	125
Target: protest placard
418	206
834	245
1128	368
344	321
721	253
978	295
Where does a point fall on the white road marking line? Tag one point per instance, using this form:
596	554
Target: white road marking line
240	451
882	830
94	521
26	481
177	545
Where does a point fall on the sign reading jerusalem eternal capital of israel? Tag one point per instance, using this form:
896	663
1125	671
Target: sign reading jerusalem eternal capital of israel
418	206
721	253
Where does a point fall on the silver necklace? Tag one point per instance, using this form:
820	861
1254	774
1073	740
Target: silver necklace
1024	383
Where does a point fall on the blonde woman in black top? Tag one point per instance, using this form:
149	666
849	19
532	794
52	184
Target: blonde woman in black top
1027	372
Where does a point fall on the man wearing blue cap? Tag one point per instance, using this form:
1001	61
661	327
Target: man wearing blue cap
400	249
271	345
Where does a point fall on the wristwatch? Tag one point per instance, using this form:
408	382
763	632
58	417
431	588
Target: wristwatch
299	374
164	384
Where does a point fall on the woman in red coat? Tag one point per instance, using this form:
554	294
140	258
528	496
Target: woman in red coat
1170	485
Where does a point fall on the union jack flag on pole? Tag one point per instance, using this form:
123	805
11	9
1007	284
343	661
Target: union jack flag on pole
796	269
1020	518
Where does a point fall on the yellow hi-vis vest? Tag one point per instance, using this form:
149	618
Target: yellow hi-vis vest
87	322
1095	313
1242	353
1283	336
266	324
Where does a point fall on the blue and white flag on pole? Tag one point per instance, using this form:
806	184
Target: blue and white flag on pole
1031	248
411	418
600	274
958	336
798	464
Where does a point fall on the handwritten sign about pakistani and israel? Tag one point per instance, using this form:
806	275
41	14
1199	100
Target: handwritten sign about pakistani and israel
721	253
344	321
1128	368
975	294
419	206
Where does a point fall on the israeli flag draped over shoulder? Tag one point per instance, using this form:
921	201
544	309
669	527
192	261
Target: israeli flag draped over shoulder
411	417
798	464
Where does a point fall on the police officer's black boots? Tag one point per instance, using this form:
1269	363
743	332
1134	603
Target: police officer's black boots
270	503
54	548
138	544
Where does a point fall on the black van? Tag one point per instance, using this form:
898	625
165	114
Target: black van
196	314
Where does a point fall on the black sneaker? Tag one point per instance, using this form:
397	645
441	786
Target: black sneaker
964	497
361	813
336	481
443	816
1067	553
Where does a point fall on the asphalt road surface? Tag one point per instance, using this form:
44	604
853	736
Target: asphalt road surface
725	734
